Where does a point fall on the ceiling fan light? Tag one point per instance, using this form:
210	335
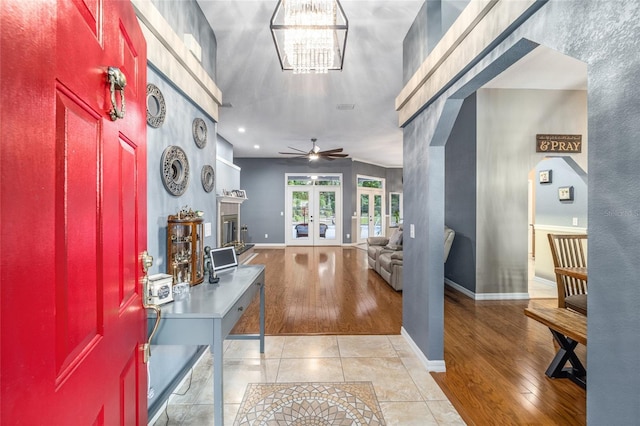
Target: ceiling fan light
313	156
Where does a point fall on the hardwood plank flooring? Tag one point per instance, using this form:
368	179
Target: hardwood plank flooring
496	358
495	355
322	290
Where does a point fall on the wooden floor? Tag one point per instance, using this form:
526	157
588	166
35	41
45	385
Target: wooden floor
496	359
495	356
323	290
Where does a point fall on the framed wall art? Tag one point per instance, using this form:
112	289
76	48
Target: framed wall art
565	193
545	176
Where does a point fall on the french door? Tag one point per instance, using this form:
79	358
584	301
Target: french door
314	206
370	213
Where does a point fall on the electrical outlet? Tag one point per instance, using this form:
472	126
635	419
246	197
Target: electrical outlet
575	221
266	236
281	213
412	231
348	236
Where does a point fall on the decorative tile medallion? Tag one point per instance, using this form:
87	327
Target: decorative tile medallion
310	404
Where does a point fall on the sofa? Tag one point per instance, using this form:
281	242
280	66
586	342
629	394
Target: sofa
385	255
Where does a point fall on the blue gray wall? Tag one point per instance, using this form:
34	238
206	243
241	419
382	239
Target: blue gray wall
263	181
169	363
604	35
423	36
460	196
227	173
549	209
186	17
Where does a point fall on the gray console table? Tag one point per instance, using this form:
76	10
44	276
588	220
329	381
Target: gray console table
207	314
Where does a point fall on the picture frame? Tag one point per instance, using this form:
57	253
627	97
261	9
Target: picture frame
545	176
241	193
565	193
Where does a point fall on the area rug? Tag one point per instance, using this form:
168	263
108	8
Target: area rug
310	404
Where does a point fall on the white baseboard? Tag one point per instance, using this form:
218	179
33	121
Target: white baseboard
249	258
270	245
487	296
437	366
545	281
502	296
461	289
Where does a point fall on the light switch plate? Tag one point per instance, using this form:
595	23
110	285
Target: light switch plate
412	231
207	229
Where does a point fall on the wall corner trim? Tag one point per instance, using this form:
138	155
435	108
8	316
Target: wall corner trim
437	366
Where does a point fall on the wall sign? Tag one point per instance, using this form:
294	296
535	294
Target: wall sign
559	143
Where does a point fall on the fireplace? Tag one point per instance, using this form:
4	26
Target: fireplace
229	230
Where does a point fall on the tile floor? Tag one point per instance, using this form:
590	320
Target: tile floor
407	393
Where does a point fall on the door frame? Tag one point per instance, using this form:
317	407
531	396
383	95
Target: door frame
314	191
372	192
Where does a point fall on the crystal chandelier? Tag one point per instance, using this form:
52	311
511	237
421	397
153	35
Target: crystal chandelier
310	35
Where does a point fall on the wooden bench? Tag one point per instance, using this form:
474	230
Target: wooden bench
568	329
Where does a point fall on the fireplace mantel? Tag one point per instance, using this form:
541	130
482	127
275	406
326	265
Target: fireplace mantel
232	200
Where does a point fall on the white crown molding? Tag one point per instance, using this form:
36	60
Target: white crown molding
228	163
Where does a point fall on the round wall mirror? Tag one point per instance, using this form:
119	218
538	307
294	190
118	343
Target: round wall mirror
200	132
175	170
156	108
208	178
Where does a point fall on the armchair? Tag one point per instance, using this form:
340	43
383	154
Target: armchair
387	259
375	245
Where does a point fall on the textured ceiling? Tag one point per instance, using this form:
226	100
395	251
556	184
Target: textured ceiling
279	109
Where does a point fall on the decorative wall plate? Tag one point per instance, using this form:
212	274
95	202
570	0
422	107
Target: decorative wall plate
208	178
175	170
200	132
156	108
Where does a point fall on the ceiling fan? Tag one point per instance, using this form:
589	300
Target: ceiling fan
315	152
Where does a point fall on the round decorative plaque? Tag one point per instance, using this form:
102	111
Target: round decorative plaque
156	108
200	132
208	178
175	170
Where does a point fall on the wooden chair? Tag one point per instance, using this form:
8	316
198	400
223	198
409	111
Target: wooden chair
568	252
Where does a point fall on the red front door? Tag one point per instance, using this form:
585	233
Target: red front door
73	214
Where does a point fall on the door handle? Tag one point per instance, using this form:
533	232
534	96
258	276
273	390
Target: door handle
147	261
117	81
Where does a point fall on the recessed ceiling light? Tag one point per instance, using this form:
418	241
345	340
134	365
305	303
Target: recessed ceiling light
256	147
241	129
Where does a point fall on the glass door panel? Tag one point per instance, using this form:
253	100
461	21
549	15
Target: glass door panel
300	215
376	229
363	225
327	214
